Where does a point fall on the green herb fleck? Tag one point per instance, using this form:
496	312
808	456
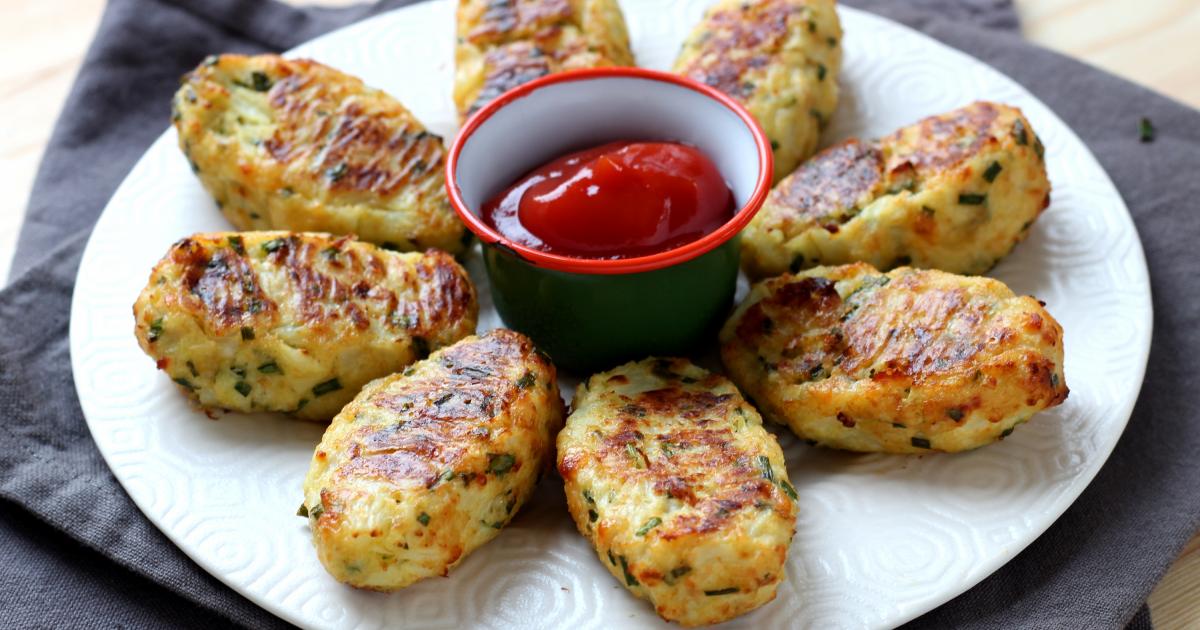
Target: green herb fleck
587	496
898	425
679	572
812	26
774	145
971	199
1146	130
185	383
592	516
612	559
242	388
767	472
1039	148
493	525
423	518
337	172
649	525
1007	432
156	328
1019	132
192	368
955	413
247	333
722	591
316	511
303	511
928	211
260	81
635	455
921	442
500	463
332	385
270	367
527	380
212	60
443	399
272	245
789	490
629	579
992	171
821	72
832	41
237	244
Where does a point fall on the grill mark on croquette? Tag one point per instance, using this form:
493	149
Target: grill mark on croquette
321	297
445	294
345	147
841	177
940	139
506	18
508	66
437	411
739	40
224	282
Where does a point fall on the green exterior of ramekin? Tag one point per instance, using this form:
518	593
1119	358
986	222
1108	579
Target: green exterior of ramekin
589	322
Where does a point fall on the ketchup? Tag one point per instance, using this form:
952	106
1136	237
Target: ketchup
618	200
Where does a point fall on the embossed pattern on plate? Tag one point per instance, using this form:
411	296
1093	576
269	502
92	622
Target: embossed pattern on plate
880	539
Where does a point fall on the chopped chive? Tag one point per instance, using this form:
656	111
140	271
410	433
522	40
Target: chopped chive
971	199
1019	132
774	145
184	382
812	26
955	413
649	525
443	399
593	515
493	525
330	252
446	476
527	380
928	211
611	559
423	518
242	388
192	368
1054	380
765	465
247	333
1007	432
237	244
587	496
300	405
832	41
272	245
212	60
722	591
921	442
898	425
821	72
270	367
992	171
156	328
316	511
679	572
635	455
260	81
1039	148
303	511
500	463
1146	130
332	385
629	579
789	490
337	172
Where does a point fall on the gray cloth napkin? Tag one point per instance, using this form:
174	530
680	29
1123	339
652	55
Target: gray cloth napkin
79	554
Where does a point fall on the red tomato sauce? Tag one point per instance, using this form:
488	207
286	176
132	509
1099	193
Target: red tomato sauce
618	200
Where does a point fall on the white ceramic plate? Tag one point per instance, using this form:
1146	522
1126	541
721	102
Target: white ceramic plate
880	540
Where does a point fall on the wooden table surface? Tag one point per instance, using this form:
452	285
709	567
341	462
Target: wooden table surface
1157	45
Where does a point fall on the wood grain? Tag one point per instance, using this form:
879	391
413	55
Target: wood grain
1156	43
